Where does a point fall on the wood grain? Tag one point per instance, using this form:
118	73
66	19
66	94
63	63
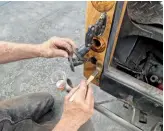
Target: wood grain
92	15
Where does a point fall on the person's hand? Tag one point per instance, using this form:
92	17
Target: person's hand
57	47
79	111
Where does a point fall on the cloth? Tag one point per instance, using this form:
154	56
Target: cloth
22	113
25	113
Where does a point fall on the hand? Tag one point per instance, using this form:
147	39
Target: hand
57	47
79	111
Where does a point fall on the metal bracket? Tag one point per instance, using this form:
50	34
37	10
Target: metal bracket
96	30
116	118
93	31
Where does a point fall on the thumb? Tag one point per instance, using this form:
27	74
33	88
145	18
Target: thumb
60	53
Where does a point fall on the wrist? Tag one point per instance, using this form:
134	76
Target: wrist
44	50
40	50
37	49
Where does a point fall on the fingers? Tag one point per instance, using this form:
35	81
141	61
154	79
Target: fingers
60	53
81	93
70	42
89	97
69	95
65	44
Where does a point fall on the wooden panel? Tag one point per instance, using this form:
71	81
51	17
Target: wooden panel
92	15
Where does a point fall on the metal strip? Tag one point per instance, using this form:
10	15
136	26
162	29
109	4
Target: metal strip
145	89
116	118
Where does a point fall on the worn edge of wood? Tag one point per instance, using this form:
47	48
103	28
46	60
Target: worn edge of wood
118	31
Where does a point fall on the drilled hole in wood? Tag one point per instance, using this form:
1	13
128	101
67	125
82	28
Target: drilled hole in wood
96	42
98	45
93	60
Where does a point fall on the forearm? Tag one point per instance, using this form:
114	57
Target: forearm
12	52
66	125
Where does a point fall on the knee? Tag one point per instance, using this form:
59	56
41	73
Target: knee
49	99
46	98
42	99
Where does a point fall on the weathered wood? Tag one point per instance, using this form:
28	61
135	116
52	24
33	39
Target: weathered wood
118	31
92	15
